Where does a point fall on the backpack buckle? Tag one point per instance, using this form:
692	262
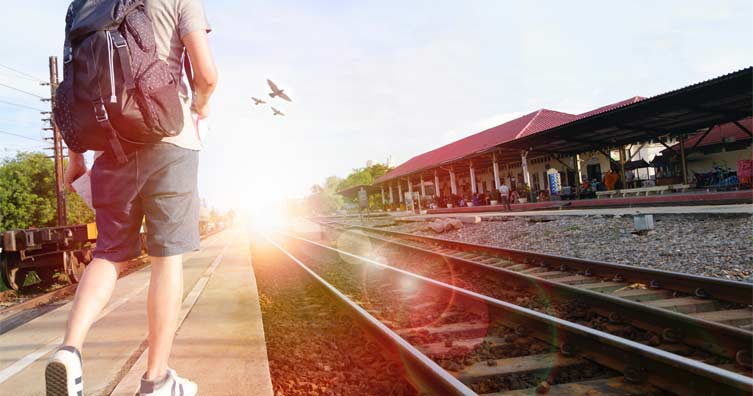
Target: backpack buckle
117	39
67	55
100	111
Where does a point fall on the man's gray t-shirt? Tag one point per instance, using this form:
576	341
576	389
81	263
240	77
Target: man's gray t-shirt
172	20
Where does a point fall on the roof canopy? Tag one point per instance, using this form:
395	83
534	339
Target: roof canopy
352	191
686	110
713	102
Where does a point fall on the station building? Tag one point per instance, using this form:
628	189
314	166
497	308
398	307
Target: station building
665	140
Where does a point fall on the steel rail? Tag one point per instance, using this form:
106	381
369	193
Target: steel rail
731	342
699	286
638	362
425	374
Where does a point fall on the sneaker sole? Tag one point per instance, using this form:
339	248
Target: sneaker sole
56	379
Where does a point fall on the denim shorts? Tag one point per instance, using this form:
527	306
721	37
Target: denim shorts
157	184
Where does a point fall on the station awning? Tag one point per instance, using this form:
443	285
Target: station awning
686	110
638	164
352	191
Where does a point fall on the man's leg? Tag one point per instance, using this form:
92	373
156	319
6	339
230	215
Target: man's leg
163	308
92	295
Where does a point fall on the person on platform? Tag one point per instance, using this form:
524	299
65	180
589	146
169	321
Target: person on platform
158	182
610	179
504	195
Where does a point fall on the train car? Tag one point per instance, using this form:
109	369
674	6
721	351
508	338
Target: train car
45	251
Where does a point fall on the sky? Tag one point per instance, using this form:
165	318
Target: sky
372	80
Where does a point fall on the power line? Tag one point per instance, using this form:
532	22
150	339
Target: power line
21	136
20	105
22	91
27	75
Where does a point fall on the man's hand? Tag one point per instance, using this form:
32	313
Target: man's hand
75	169
200	106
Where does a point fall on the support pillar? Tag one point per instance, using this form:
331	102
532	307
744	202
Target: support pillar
524	165
423	188
473	179
453	185
399	191
392	196
436	184
410	194
496	171
622	166
383	200
683	160
576	166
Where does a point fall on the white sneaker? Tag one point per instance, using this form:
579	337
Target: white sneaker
171	385
63	376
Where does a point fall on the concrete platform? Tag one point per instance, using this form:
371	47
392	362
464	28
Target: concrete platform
675	199
220	344
743	209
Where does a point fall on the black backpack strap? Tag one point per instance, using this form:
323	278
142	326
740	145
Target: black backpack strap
121	46
100	112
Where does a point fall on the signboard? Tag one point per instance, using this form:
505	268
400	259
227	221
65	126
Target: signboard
363	199
555	182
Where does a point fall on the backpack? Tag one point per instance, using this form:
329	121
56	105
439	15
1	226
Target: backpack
116	92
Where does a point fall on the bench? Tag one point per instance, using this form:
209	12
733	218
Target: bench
606	194
643	190
679	187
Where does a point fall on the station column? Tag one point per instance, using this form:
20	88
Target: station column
496	171
399	191
383	200
473	178
683	160
436	184
524	165
392	196
423	188
453	185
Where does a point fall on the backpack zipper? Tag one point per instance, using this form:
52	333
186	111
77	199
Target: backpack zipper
110	45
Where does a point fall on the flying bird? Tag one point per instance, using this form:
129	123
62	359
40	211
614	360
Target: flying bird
277	91
257	101
276	112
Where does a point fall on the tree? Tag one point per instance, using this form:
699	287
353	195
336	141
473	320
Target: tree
365	175
323	200
27	194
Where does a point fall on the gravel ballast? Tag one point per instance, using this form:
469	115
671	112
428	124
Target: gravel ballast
315	348
719	246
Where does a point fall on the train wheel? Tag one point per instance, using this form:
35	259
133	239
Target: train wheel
74	268
46	277
13	276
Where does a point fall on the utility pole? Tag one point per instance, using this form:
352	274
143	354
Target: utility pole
58	146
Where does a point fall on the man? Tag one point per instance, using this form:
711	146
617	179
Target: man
159	183
504	195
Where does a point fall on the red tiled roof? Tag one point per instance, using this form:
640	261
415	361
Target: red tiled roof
523	126
719	133
612	106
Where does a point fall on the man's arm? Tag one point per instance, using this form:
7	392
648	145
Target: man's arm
204	70
75	169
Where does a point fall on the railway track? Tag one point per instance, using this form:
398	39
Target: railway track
677	310
497	348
